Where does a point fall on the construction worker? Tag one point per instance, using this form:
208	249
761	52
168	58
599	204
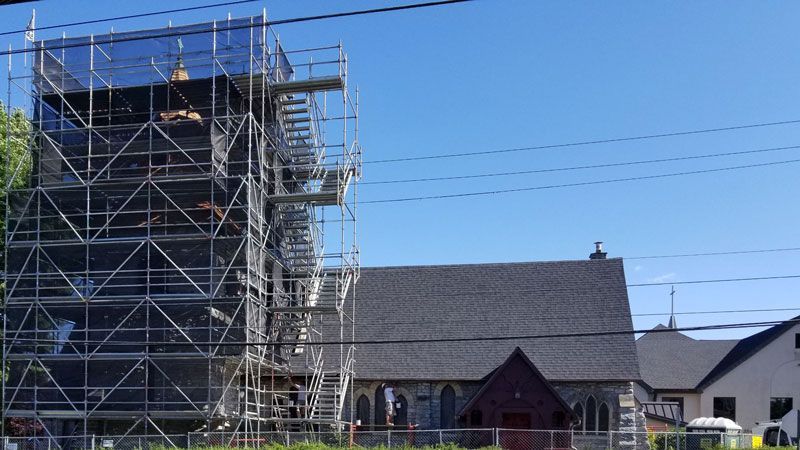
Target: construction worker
300	394
388	393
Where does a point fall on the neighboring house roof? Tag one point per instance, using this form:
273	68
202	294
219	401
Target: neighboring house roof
670	360
487	300
746	348
669	412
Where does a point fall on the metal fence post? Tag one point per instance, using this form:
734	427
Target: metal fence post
797	429
440	437
389	438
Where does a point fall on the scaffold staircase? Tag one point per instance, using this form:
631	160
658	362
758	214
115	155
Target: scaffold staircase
327	401
318	291
302	152
300	251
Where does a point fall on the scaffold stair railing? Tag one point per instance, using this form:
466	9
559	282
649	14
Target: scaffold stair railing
331	191
253	84
328	400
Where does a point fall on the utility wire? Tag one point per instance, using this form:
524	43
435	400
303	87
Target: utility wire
736	252
720	311
722	280
540	318
131	16
727	326
582	143
593	166
244	26
566	185
383	323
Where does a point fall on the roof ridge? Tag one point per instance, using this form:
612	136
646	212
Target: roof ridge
746	348
505	263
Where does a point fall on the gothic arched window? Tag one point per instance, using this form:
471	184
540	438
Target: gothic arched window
380	406
447	408
591	414
603	416
578	408
402	411
362	409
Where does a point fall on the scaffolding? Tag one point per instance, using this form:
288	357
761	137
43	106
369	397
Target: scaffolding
186	233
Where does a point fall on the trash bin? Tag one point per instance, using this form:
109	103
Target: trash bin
707	432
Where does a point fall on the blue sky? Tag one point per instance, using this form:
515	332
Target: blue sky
501	73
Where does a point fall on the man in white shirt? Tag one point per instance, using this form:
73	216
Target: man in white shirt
388	393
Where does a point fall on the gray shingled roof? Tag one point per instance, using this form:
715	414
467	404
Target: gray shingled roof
674	361
452	301
746	348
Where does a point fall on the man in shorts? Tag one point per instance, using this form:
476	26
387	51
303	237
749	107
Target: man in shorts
388	393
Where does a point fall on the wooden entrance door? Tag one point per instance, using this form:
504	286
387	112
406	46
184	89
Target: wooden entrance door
517	421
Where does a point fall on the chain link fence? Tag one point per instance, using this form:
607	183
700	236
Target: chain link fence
510	439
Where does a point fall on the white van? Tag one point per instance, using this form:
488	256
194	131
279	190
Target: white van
779	432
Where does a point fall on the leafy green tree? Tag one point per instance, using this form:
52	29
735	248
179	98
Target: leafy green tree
15	170
16	160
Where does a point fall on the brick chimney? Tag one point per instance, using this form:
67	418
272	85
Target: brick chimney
598	251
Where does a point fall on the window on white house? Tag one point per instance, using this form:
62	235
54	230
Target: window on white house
725	407
797	341
779	406
678	400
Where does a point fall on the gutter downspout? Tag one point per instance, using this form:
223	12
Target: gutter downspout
572	426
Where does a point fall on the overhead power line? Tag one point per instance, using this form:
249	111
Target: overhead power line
130	16
728	326
735	252
450	293
567	185
360	12
719	311
721	280
477	320
582	143
591	166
